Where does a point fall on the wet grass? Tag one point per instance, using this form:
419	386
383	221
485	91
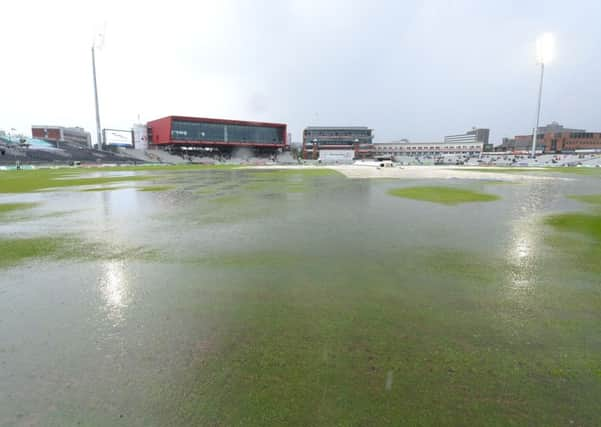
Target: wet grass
42	179
12	207
230	199
33	249
360	333
585	171
282	186
437	339
174	168
305	172
156	188
576	171
91	190
591	198
442	195
578	240
498	182
587	225
15	251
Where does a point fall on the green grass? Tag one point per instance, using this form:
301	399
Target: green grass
316	347
16	251
496	182
578	240
496	169
576	171
92	190
11	207
40	179
280	186
520	170
229	199
286	334
305	172
160	167
156	188
588	225
591	198
443	195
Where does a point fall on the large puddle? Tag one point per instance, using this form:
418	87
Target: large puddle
240	297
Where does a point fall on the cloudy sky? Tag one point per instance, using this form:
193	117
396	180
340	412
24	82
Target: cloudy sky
408	69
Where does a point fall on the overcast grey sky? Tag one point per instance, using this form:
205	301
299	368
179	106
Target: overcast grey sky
408	69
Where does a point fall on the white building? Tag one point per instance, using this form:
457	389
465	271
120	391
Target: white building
428	149
474	135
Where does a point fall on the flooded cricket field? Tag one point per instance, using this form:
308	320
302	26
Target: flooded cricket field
291	297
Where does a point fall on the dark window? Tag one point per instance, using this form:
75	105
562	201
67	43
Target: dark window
218	132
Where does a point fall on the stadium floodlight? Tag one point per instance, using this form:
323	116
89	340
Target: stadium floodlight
545	49
97	44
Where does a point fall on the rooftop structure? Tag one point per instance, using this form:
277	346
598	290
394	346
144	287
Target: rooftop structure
474	135
428	149
179	132
354	139
57	134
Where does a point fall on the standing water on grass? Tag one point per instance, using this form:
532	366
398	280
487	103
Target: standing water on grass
250	297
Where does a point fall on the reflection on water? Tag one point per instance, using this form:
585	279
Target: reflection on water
524	242
114	287
521	256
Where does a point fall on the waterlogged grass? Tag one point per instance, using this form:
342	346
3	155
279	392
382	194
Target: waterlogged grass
91	190
442	195
578	253
156	188
588	225
16	251
498	182
305	172
12	207
501	169
228	200
592	198
427	337
174	168
576	171
40	179
254	330
578	240
586	171
281	186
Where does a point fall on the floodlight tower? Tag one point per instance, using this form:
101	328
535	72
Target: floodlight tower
545	45
97	44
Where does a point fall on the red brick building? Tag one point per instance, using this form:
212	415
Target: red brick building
554	138
570	141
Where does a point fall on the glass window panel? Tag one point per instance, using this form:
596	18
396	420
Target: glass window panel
195	131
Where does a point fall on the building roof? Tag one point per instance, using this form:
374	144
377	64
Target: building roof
58	127
219	121
337	128
428	143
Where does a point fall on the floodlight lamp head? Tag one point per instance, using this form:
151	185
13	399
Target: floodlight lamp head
545	48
